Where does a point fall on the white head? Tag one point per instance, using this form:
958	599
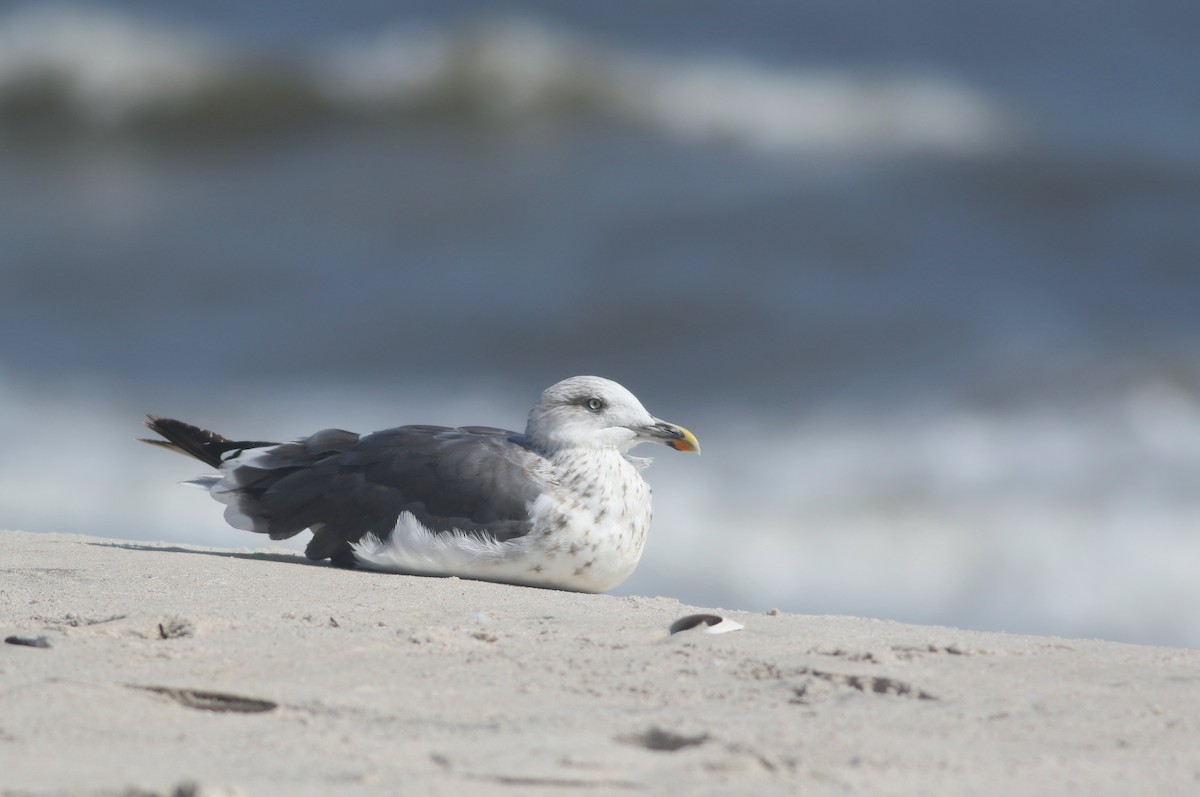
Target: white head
592	412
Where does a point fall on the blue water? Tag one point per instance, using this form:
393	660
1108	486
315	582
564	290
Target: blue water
923	279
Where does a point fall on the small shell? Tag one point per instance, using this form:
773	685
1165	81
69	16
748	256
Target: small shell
708	623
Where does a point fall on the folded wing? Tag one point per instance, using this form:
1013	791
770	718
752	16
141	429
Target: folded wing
476	480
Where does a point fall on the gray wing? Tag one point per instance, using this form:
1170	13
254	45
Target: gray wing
474	479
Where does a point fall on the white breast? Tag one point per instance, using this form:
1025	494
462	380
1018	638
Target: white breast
588	531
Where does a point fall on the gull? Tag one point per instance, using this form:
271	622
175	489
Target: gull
562	505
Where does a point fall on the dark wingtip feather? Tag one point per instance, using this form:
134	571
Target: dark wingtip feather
161	443
184	438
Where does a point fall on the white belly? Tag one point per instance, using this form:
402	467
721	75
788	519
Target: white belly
588	538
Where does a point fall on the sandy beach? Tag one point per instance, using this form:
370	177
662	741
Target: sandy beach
136	668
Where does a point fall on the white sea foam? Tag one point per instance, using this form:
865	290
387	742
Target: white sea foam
516	67
115	67
110	65
1063	519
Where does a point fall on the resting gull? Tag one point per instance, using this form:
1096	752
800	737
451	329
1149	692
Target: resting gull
562	505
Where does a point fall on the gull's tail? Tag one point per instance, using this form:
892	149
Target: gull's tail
251	473
183	438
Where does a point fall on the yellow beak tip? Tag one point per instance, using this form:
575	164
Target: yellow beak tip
688	443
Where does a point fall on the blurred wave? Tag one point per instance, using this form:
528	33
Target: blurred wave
94	68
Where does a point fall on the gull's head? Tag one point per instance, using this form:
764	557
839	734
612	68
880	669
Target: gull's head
593	412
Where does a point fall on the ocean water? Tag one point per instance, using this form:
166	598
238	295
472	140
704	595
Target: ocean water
925	280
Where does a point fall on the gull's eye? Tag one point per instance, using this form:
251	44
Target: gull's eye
595	404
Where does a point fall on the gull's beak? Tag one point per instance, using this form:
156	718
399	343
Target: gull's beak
669	434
